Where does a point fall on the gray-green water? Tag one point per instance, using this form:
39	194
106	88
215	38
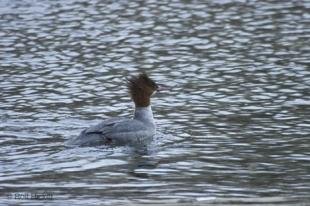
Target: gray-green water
234	124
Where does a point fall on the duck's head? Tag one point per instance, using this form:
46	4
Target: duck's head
141	88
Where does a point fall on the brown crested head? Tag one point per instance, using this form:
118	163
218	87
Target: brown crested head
141	88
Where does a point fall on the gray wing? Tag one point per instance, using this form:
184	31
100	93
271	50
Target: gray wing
115	131
105	126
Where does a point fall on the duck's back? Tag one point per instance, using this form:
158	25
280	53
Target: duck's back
116	131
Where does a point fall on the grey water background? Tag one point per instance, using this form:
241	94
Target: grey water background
233	124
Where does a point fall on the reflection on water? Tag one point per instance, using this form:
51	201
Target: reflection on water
235	123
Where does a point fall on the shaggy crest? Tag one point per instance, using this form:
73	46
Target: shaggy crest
141	88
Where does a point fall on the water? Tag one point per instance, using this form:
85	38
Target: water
235	123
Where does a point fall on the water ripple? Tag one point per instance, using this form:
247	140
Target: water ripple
235	119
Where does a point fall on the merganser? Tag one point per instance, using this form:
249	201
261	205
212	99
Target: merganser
122	131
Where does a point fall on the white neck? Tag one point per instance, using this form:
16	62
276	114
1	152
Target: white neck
144	114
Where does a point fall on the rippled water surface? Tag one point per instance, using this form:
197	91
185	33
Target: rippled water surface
235	122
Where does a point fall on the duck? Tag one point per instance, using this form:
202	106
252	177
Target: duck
116	131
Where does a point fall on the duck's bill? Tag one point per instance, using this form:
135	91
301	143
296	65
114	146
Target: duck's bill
162	87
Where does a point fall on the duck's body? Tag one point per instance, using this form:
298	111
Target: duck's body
122	131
